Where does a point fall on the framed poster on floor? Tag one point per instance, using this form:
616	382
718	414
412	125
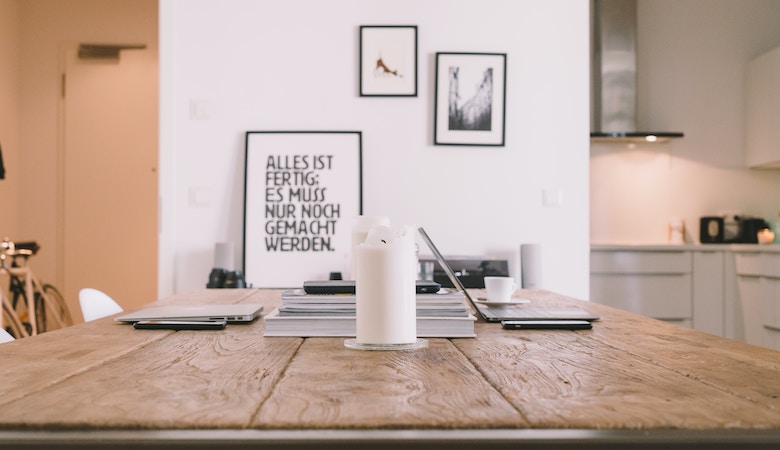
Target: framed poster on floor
302	190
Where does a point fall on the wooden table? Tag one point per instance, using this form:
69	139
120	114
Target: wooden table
629	380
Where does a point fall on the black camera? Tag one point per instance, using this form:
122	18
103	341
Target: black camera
221	278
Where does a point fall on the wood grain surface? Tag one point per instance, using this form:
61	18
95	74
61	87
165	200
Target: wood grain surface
632	371
628	373
433	387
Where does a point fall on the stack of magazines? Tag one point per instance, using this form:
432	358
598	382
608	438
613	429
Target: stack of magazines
442	314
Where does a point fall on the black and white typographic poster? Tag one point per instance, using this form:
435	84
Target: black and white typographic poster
302	191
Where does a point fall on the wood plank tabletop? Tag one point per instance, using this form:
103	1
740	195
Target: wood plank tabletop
629	373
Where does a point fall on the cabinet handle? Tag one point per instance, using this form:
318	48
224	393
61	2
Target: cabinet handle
772	327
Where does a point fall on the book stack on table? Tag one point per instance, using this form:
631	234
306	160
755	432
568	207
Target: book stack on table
442	314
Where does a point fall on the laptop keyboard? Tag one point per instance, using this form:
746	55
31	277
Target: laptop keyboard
535	313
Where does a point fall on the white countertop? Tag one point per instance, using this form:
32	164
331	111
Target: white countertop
661	247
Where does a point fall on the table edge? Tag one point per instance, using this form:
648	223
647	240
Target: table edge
450	439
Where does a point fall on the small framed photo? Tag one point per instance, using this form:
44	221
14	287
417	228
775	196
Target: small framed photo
388	61
470	99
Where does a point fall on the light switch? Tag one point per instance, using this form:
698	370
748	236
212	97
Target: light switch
201	109
200	196
552	197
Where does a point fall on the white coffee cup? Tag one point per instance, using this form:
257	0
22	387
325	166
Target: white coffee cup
500	289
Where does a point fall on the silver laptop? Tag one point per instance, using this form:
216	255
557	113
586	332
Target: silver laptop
238	313
497	314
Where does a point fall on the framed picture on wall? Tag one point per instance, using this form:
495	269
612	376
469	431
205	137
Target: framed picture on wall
388	61
470	99
302	190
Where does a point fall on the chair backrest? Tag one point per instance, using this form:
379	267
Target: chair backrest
5	336
96	304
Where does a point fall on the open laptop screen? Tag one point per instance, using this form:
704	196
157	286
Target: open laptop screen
497	314
448	270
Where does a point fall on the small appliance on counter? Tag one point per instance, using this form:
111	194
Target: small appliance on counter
470	270
715	230
711	230
749	228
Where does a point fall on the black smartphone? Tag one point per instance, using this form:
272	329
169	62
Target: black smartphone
329	287
427	287
348	287
546	325
179	325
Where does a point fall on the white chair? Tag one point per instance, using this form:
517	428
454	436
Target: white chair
5	336
96	304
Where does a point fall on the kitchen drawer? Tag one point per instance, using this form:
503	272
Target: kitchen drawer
752	292
772	337
771	303
647	262
658	296
708	291
757	263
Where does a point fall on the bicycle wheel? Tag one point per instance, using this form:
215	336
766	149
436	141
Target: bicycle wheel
50	298
40	312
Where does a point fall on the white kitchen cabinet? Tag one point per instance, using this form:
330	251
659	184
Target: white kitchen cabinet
748	312
727	290
655	283
691	285
709	291
733	327
762	111
758	307
771	309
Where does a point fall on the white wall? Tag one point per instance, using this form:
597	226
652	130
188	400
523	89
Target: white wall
269	65
37	31
692	58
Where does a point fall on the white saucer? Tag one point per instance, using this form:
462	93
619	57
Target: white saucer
513	301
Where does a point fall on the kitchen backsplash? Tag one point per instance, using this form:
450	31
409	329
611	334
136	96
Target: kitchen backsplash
636	193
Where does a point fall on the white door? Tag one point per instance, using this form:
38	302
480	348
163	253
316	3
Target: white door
109	177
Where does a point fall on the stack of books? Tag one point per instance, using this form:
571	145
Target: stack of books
443	314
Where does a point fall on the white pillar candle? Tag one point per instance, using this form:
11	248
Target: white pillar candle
385	287
360	227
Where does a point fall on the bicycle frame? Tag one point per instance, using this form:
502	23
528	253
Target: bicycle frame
32	291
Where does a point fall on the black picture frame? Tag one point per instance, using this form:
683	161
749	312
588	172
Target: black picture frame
470	99
302	189
388	61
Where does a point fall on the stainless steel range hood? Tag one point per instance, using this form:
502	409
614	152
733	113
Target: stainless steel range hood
614	75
